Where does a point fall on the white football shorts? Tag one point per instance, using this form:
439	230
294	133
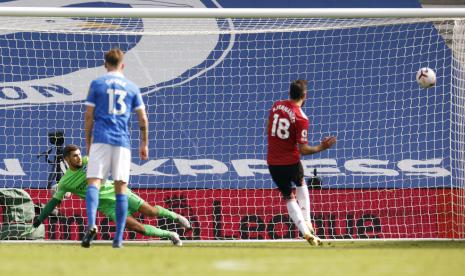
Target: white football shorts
106	160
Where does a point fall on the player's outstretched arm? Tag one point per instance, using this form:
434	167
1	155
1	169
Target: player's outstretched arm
89	125
326	143
144	133
46	211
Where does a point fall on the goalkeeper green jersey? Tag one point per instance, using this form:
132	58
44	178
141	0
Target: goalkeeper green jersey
75	182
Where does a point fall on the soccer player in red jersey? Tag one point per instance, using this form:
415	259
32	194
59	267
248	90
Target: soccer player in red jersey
287	140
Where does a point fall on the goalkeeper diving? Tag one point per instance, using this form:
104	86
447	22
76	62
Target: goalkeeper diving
74	181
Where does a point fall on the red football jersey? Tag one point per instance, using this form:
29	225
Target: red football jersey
287	126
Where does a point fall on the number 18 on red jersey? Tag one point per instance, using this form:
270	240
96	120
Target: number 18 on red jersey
287	127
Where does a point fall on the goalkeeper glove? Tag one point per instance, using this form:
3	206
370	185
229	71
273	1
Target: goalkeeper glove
29	230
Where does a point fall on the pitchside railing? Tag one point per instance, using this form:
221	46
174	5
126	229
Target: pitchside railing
208	78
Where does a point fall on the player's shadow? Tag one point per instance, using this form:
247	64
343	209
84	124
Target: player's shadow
369	245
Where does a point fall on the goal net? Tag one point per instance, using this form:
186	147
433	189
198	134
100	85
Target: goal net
397	170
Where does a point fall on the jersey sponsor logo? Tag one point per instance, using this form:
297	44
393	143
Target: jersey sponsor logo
256	167
53	69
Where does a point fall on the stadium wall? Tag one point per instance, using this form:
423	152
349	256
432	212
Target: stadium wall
222	214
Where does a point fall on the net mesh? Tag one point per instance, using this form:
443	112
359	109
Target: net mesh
208	84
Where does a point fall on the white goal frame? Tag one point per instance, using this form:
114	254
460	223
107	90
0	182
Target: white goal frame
235	12
426	13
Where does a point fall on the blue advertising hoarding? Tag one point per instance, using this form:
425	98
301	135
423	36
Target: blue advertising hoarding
207	112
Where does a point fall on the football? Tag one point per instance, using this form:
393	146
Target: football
426	77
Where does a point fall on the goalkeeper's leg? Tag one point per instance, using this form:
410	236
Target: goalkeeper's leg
152	231
158	211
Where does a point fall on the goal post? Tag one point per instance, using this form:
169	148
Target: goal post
457	124
208	78
233	12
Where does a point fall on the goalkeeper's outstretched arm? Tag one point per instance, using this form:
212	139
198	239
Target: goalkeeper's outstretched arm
46	211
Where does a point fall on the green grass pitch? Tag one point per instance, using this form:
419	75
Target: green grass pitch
283	258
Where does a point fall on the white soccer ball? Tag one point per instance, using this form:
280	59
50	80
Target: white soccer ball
426	77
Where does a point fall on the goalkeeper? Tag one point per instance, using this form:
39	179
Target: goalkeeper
74	181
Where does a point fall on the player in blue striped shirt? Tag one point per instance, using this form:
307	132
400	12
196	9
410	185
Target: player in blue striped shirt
110	101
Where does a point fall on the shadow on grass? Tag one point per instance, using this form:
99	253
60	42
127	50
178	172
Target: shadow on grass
297	245
336	245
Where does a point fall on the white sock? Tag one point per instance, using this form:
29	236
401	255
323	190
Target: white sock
303	198
296	215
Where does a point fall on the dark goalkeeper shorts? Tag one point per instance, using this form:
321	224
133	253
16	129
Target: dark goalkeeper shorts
285	175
